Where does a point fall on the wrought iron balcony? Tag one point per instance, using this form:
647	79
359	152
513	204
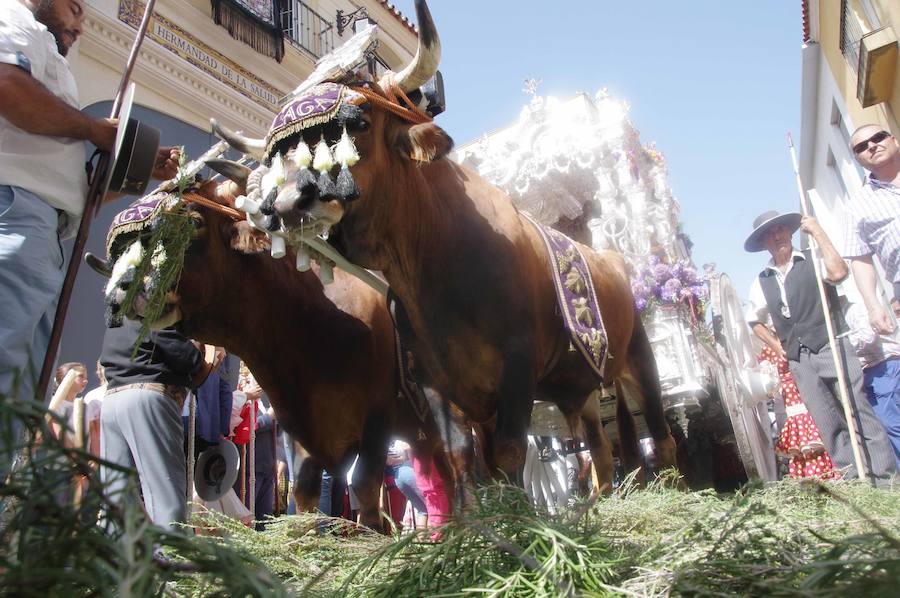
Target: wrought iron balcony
306	28
851	33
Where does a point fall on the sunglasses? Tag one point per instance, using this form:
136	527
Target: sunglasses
876	138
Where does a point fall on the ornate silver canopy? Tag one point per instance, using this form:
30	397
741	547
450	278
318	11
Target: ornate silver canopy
583	159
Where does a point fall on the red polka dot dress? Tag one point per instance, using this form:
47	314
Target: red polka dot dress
799	439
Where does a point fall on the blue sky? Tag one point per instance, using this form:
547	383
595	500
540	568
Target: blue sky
715	83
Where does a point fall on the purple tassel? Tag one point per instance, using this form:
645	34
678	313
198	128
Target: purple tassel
346	186
267	207
305	178
326	185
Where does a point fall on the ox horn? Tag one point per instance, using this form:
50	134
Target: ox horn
428	55
246	145
97	265
231	170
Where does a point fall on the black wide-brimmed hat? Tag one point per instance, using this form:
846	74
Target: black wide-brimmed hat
216	470
134	153
764	222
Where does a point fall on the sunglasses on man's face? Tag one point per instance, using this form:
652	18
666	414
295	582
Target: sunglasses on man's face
876	138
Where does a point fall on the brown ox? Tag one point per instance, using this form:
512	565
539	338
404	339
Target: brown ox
473	275
324	355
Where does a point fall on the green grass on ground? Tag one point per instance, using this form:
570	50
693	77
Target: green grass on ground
787	539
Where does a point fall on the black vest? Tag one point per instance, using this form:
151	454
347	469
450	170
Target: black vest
806	326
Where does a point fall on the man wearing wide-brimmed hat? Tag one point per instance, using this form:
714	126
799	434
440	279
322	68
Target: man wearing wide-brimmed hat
786	292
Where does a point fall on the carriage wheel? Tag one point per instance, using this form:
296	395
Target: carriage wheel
740	385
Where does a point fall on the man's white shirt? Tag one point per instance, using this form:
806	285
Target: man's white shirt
872	225
50	167
758	310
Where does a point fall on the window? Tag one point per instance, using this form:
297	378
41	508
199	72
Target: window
835	169
837	119
851	33
306	28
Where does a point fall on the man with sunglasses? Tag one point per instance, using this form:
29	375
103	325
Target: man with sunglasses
873	222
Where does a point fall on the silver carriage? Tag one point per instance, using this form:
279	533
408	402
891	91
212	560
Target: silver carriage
579	166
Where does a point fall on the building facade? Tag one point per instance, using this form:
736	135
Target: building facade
850	77
233	60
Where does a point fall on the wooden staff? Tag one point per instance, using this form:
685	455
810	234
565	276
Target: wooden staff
832	341
78	442
192	440
91	207
60	395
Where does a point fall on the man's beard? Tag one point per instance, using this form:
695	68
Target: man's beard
45	13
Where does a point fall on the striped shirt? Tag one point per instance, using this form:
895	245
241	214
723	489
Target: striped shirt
872	226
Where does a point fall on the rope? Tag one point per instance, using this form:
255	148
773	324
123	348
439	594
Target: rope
214	205
389	101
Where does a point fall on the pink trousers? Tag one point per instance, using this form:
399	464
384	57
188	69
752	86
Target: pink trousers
432	487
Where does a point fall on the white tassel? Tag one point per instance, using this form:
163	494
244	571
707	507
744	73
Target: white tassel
302	258
247	205
278	247
129	259
302	157
258	220
324	161
345	151
275	177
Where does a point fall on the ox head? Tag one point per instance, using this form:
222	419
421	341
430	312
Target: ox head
188	275
343	145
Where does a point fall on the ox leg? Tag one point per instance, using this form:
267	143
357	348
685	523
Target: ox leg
646	386
629	444
601	448
308	485
458	447
514	411
368	476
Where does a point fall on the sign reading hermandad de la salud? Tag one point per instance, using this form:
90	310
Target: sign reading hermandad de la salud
180	42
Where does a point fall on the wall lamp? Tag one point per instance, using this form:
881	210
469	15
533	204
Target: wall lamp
343	20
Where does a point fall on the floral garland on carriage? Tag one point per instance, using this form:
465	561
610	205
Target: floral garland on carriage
656	283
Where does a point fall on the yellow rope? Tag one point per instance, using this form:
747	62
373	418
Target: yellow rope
227	210
389	100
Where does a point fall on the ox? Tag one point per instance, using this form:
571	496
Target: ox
471	273
324	355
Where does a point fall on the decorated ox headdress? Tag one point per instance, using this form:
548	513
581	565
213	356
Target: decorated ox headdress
308	139
317	106
145	245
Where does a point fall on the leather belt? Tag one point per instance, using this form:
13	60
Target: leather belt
173	391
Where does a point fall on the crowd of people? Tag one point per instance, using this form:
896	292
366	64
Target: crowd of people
140	418
849	363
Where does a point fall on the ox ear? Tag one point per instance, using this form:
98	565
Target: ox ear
246	239
426	142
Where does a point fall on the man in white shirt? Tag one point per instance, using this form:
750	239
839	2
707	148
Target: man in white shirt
873	226
43	184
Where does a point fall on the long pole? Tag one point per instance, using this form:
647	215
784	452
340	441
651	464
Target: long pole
92	205
832	341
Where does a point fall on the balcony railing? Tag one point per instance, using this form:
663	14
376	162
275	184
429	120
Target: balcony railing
851	33
306	28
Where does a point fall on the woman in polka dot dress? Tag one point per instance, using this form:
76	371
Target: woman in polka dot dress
799	440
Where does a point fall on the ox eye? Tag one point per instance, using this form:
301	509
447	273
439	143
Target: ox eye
358	125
